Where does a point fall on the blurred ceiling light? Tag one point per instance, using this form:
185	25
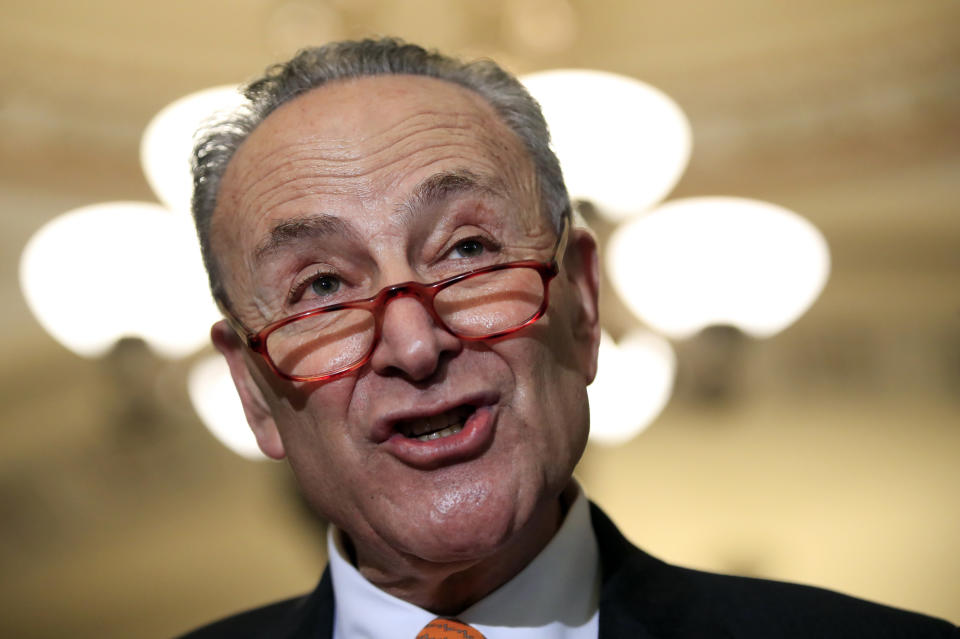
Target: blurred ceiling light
622	143
167	142
119	269
215	399
545	26
633	384
705	261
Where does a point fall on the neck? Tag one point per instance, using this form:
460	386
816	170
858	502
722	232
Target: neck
450	588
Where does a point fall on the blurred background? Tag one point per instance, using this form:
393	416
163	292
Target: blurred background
826	454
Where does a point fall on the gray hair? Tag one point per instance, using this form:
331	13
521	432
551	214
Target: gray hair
314	67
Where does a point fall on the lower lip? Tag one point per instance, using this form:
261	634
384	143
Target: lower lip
470	442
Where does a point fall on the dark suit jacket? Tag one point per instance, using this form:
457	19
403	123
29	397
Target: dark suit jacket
644	598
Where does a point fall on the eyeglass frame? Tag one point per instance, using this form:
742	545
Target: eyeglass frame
376	305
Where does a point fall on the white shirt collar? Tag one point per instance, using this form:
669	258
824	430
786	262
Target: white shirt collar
555	597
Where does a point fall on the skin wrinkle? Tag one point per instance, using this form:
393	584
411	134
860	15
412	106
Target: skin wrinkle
297	229
442	561
389	145
436	188
309	148
312	158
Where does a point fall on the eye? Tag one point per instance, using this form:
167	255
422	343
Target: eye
324	285
467	248
318	286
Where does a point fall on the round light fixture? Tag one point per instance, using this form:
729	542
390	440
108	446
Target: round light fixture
633	384
622	144
167	142
705	261
118	269
215	399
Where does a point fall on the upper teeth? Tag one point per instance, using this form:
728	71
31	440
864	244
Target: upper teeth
435	426
456	428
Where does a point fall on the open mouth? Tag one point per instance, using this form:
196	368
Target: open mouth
427	429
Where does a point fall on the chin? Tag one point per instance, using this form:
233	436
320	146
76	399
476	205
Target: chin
475	522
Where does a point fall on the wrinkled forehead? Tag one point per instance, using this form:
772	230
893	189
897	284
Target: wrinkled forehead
360	144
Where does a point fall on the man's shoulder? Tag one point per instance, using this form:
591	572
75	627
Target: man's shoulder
249	624
310	615
764	607
646	596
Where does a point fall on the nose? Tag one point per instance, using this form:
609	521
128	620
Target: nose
411	343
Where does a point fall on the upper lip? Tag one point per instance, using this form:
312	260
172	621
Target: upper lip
385	426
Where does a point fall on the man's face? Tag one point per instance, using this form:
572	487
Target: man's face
372	182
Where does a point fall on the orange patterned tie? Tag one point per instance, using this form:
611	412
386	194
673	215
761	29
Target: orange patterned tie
441	628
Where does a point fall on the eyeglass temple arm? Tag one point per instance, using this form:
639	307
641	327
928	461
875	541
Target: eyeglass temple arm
242	332
561	248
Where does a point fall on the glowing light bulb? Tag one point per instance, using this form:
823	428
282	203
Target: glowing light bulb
705	261
215	399
119	269
633	385
167	142
622	144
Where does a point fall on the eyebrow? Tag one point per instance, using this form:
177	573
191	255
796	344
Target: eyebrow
441	186
298	229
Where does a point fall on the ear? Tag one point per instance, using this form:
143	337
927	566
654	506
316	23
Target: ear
583	272
255	406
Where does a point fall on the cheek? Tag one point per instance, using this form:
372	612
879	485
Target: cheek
550	397
560	378
324	461
313	424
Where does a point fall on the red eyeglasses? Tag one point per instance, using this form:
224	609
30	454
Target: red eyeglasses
327	342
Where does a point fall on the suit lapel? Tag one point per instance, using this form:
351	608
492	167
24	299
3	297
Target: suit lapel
312	616
635	591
